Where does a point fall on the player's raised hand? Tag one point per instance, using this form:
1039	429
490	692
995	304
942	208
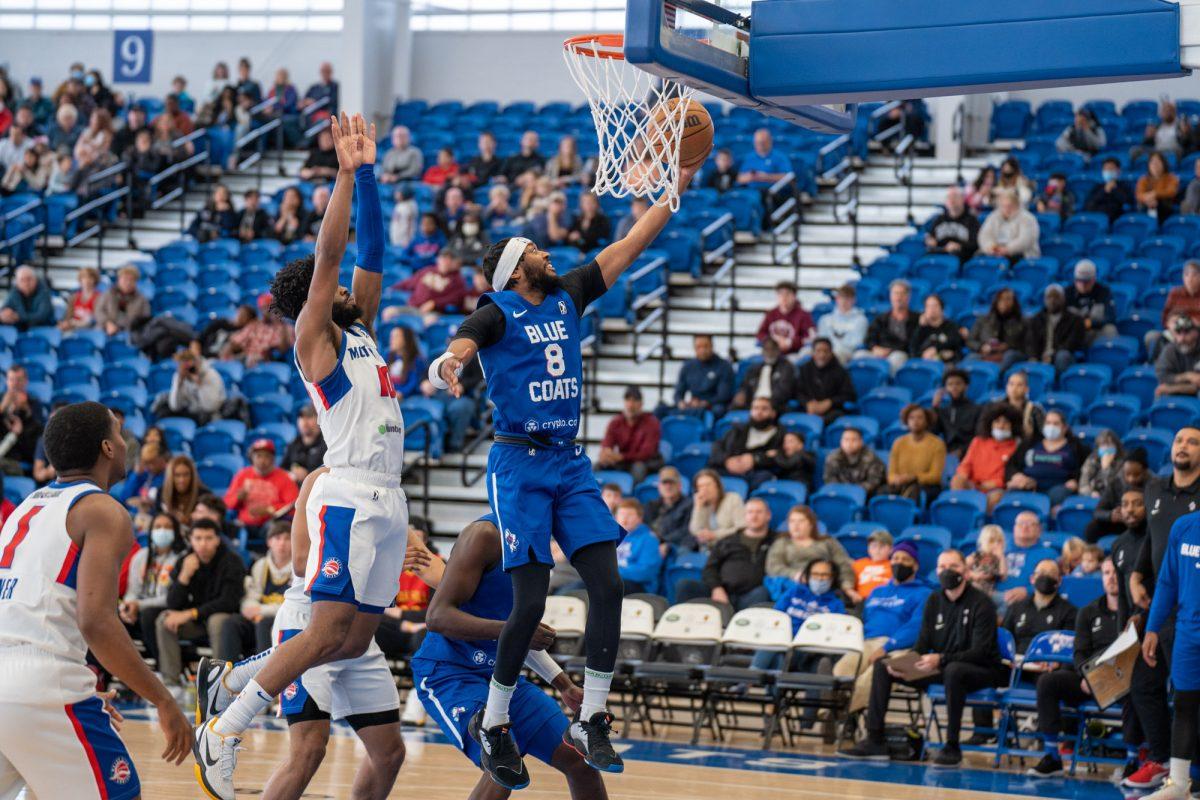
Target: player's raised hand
176	730
449	372
349	156
364	136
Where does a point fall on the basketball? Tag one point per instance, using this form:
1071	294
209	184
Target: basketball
695	143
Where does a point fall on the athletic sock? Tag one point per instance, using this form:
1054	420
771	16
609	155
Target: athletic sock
496	711
1051	745
243	671
241	712
1181	769
595	692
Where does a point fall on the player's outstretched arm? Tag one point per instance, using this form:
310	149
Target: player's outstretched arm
445	370
368	273
617	257
313	349
103	527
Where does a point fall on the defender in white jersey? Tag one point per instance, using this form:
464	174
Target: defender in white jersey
60	558
357	512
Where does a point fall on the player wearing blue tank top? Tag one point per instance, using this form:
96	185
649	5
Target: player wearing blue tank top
540	482
452	669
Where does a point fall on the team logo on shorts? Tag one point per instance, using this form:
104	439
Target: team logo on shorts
331	568
120	772
510	539
531	426
479	656
457	712
290	692
562	307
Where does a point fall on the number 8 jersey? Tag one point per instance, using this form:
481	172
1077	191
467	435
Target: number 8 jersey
534	372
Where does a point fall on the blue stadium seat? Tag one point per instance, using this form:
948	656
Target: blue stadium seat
691	458
884	403
1184	227
17	488
1173	412
810	425
918	374
1115	411
985	377
1135	225
680	430
275	407
1166	249
1010	120
1069	404
1063	246
178	431
260	381
867	373
1110	248
78	347
621	479
1115	351
1157	442
1086	380
216	470
835	504
854	536
1088	224
928	549
731	418
936	268
1014	503
280	433
1081	590
647	490
888	268
780	496
1039	376
893	512
1075	514
1138	381
866	425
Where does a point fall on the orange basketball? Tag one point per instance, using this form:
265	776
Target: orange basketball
695	143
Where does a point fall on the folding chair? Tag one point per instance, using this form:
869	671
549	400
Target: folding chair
1050	647
567	615
731	683
825	634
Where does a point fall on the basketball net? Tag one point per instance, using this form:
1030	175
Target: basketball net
639	120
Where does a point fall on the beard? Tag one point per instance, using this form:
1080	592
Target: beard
346	314
545	282
1182	461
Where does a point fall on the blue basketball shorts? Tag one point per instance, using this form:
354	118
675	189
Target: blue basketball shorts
1185	659
537	494
452	695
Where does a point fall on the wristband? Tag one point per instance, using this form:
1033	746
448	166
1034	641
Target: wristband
435	371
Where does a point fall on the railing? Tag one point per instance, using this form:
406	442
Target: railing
313	129
97	227
845	209
903	170
471	475
960	125
783	219
881	112
9	245
183	170
832	171
257	137
423	460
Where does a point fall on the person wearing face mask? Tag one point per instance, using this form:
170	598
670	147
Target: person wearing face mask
742	451
982	468
958	646
773	378
1054	333
149	578
1112	196
472	240
815	593
1051	465
891	621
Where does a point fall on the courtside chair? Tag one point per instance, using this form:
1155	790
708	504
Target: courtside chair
732	686
833	635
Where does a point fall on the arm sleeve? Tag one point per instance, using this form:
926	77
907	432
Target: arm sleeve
937	465
776	563
178	595
712	569
585	285
841	560
484	327
369	224
543	665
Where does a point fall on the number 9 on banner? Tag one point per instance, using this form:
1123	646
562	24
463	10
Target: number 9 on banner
133	53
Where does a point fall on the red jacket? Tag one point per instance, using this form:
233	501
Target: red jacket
792	327
1180	302
447	290
276	490
636	441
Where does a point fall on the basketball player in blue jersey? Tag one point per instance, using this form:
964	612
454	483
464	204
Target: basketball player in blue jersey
452	669
540	482
357	511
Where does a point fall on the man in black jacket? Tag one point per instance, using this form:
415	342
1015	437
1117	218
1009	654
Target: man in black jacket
1128	545
823	386
958	648
889	333
737	564
956	420
956	229
206	588
743	450
1045	610
773	378
670	514
1108	517
1096	627
1054	333
1112	197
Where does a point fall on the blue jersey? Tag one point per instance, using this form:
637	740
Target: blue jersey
1177	587
535	371
492	600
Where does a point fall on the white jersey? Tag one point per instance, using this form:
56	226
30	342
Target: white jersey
357	408
38	563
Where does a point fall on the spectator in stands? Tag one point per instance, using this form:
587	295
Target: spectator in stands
66	128
958	417
854	462
1172	134
406	364
1096	626
1010	231
1109	516
638	555
262	490
1049	465
1177	364
245	83
217	219
669	514
790	556
736	565
269	578
142	486
936	338
716	513
551	224
890	332
499	210
306	452
823	386
773	378
1044	610
24	120
88	164
526	164
958	648
28	304
101	95
566	168
987	566
38	103
918	457
891	620
637	207
325	88
1030	414
815	593
97	136
320	202
423	250
439	288
206	587
1191	196
403	224
979	192
591	227
1012	179
787	322
472	240
217	83
181	489
284	92
123	307
144	163
180	122
253	222
724	174
23	416
846	325
705	383
611	494
321	164
62	174
30	174
742	451
1084	136
764	167
288	226
1026	553
403	161
1185	298
43	472
81	308
1157	189
265	337
1055	197
13	148
1103	467
6	117
402	628
197	390
982	469
1112	196
792	462
631	439
999	335
1055	332
149	580
875	568
443	170
486	165
956	229
1092	302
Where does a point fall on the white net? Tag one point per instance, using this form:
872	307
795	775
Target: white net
639	120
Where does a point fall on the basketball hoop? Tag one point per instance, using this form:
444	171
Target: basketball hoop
639	119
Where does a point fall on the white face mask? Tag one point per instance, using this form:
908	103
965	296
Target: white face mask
1001	434
162	537
820	585
470	229
1051	431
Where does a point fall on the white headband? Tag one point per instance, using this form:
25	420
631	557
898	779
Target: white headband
508	261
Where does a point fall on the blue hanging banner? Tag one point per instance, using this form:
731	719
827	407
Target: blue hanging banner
133	52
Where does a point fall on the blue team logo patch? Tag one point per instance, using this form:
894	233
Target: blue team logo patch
120	772
531	427
331	568
479	656
562	307
510	539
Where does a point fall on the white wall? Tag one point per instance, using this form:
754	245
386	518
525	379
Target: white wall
507	65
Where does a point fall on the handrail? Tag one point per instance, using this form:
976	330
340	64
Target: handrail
959	133
308	111
25	209
107	172
465	470
264	105
716	224
903	170
785	216
258	135
848	210
189	138
843	163
96	228
423	459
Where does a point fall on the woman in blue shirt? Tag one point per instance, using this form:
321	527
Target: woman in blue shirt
816	594
1050	465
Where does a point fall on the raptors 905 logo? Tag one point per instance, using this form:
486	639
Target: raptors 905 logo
331	568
